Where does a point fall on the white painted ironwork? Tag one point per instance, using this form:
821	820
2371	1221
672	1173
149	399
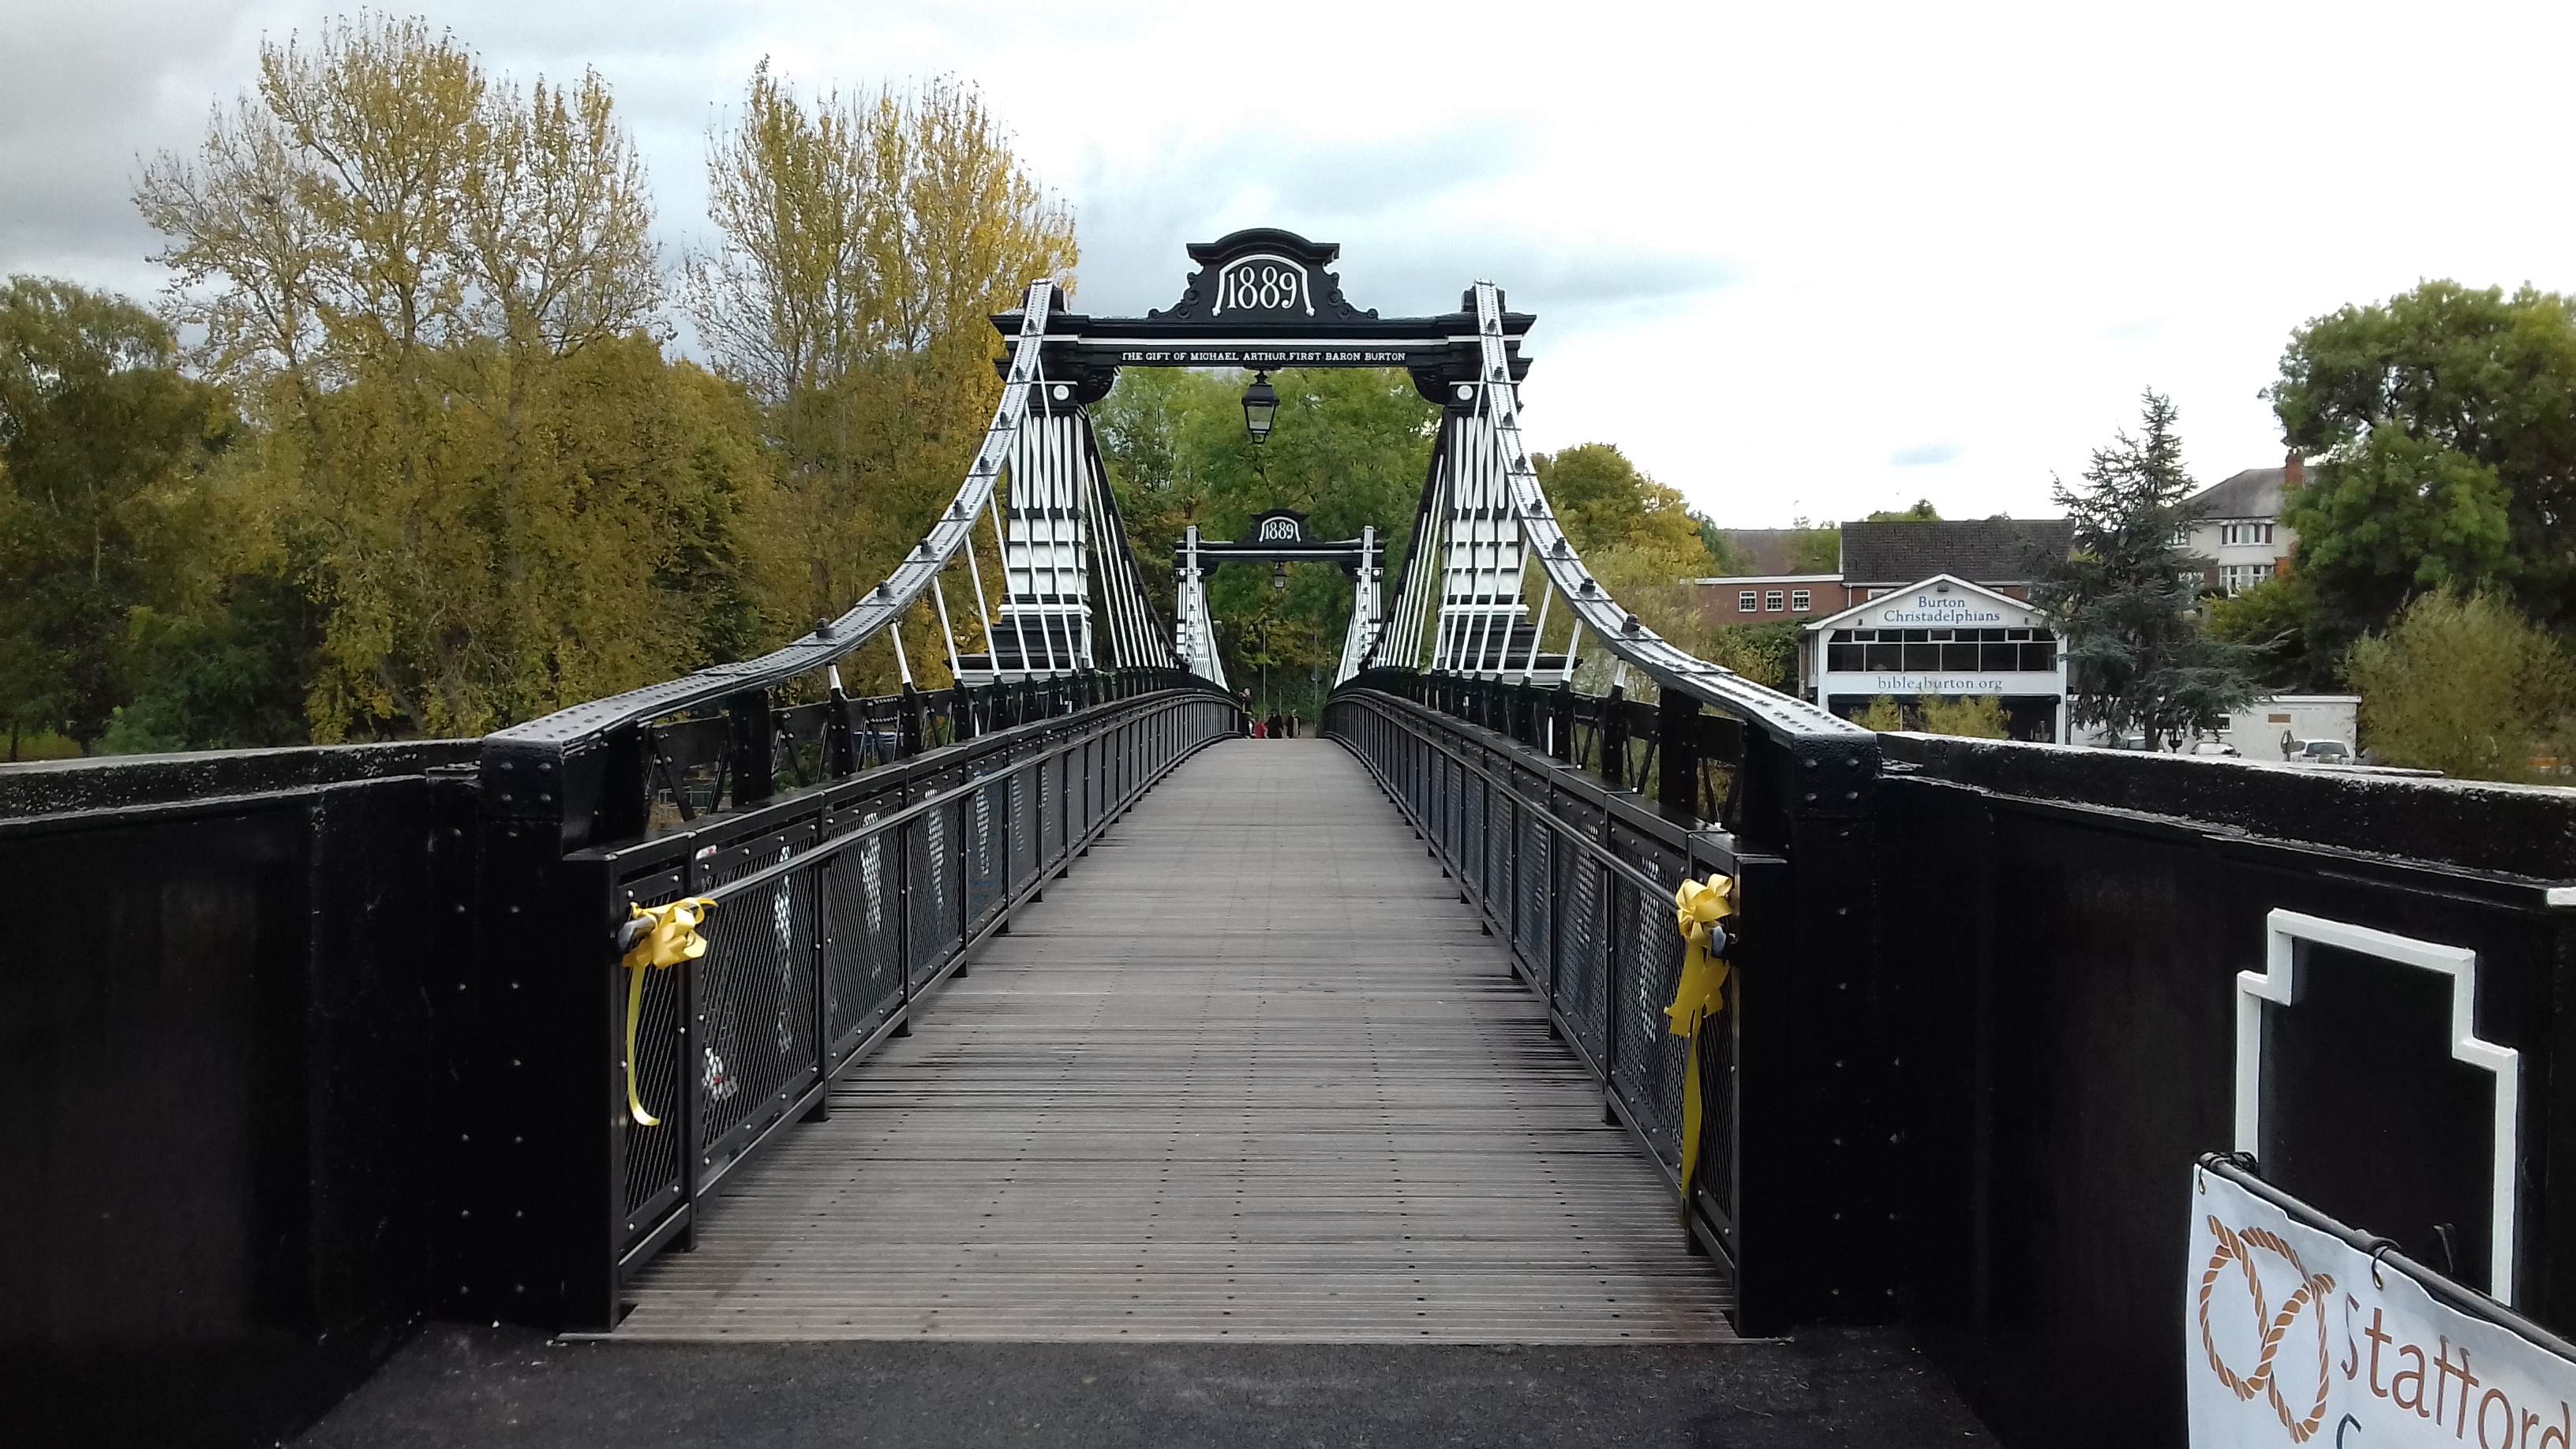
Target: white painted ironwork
1480	603
1046	596
1485	519
2285	933
1194	630
1361	636
1071	595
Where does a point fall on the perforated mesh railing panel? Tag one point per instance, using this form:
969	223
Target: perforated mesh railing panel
984	855
1051	806
1649	1058
1717	1046
1022	833
1584	898
829	923
1582	969
1535	899
755	994
1471	832
862	938
652	1154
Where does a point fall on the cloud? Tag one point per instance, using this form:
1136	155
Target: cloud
1764	245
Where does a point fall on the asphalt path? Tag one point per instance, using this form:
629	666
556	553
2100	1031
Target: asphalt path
514	1389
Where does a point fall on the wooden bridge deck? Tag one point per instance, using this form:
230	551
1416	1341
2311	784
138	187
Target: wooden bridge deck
1251	1073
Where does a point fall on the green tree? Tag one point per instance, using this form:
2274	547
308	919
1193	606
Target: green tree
1671	605
1883	715
435	292
867	241
1969	716
2126	600
225	669
2463	684
1921	512
1729	558
1766	653
1602	501
1813	550
2444	425
1350	449
104	448
2290	645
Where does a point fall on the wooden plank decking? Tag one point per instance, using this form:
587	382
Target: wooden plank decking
1251	1073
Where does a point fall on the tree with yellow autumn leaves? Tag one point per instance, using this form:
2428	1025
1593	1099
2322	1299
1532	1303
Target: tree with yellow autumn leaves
429	462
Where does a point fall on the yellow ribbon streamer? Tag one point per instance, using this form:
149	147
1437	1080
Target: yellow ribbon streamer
664	936
1699	995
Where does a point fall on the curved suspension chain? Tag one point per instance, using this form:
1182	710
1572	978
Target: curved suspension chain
1627	638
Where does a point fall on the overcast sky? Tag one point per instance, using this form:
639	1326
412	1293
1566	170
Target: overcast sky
1798	260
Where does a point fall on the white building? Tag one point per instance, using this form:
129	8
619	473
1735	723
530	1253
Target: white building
2278	725
1944	637
2238	525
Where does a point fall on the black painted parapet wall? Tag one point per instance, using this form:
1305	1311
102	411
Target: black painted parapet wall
2064	928
214	1091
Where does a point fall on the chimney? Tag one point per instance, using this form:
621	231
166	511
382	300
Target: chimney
2294	471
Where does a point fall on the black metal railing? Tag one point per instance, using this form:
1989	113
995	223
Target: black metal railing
1569	820
841	906
833	922
1578	879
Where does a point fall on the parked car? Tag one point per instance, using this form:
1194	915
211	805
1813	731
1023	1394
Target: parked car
2208	747
2323	752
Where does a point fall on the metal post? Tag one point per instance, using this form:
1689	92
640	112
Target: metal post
1677	753
1613	735
754	766
911	727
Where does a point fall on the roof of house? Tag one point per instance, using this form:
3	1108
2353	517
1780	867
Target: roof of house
1944	583
1979	550
2254	493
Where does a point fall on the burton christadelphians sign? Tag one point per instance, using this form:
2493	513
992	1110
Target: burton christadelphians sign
2295	1336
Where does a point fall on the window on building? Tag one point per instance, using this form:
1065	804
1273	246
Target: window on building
2237	578
2182	535
2241	533
1746	603
1801	600
1946	651
1774	601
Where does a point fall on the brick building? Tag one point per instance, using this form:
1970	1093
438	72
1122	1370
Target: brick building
1877	558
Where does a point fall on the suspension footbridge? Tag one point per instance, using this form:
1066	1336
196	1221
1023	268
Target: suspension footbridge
1571	993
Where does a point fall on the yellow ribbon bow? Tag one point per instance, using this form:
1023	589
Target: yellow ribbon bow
1699	995
663	936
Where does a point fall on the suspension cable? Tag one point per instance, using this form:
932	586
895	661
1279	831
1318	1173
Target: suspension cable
939	596
983	614
1547	596
1010	598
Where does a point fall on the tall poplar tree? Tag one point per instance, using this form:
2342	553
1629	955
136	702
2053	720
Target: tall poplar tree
436	292
867	239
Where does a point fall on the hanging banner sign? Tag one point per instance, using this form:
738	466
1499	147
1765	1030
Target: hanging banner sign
2294	1336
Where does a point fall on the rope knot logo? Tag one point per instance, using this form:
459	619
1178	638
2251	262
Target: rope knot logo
2270	1329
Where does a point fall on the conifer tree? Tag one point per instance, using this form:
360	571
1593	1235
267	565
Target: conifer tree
2127	600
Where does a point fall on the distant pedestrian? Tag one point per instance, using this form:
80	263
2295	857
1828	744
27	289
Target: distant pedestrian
1292	724
1243	698
1275	731
1260	730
